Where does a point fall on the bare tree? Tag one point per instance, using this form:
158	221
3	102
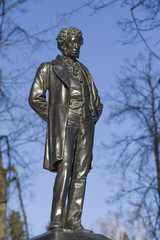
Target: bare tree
113	228
142	24
16	122
136	104
13	33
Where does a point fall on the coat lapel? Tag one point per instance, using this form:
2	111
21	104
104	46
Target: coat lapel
60	70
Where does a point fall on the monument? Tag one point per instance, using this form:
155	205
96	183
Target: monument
71	112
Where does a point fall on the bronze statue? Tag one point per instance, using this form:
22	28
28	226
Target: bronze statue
71	112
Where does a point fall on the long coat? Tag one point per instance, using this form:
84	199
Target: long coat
53	76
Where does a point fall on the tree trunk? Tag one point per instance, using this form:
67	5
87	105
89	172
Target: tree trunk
3	200
156	144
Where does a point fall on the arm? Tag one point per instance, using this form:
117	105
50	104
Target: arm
96	104
37	97
98	109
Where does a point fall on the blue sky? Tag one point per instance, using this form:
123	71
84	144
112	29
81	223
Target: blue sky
103	54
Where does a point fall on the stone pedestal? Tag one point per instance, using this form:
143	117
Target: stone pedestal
69	235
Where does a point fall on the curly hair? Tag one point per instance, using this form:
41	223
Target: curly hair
64	33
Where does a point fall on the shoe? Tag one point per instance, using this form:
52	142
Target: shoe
76	226
55	226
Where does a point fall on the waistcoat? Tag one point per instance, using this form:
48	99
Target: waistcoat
79	90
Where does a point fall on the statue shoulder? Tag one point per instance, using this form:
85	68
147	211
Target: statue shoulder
44	68
84	68
58	66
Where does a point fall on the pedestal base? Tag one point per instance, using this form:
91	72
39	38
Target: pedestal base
69	235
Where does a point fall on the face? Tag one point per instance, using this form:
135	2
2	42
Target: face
72	47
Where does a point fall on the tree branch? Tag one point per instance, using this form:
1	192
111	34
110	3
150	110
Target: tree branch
141	36
11	168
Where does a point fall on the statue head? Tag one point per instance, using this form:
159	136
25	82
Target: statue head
69	41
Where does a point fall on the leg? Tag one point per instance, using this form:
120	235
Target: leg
62	179
80	170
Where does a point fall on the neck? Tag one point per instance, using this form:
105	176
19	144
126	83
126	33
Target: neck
68	57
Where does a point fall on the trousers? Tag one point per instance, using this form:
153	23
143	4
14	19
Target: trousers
73	169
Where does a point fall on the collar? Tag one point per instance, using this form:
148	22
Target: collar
71	64
69	60
59	68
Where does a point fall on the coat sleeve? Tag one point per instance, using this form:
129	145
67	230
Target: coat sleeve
37	97
97	106
95	102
